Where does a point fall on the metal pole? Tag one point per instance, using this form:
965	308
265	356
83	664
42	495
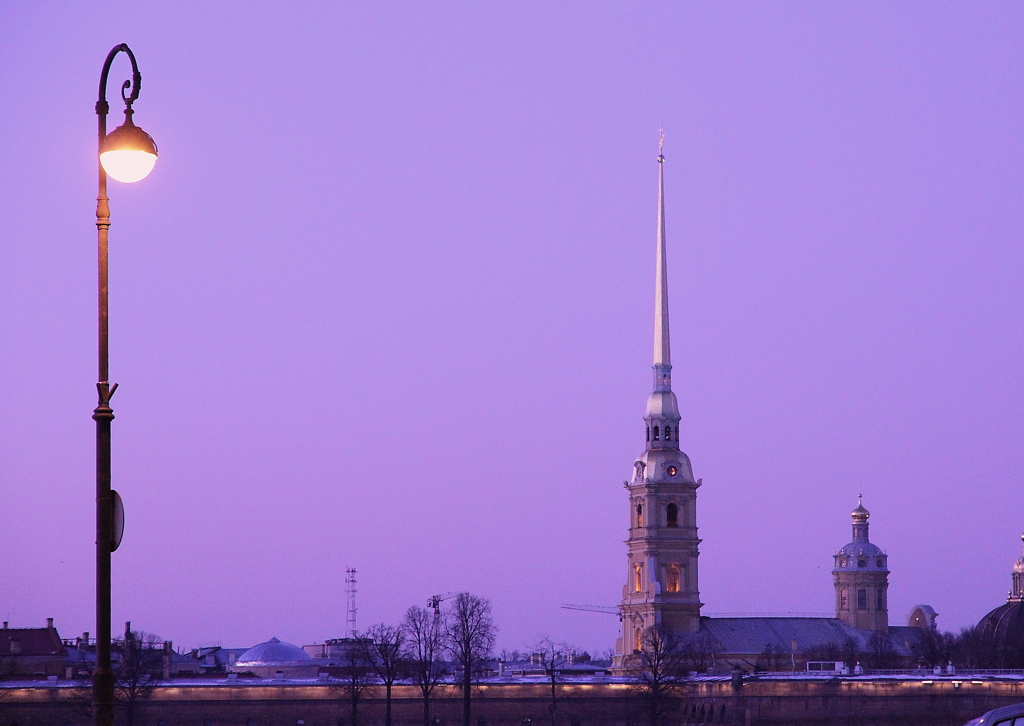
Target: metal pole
103	676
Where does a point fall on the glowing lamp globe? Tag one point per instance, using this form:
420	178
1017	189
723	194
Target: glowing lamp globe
128	153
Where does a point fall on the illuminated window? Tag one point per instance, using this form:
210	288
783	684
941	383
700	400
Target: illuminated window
638	640
672	515
655	433
639	515
862	599
638	577
880	599
844	599
673	578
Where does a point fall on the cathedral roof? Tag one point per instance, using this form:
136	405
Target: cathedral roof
751	635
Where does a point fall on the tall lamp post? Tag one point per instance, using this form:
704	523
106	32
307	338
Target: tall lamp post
127	154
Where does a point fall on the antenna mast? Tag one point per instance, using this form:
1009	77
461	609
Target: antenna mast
350	609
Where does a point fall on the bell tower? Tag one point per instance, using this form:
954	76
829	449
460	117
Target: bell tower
661	552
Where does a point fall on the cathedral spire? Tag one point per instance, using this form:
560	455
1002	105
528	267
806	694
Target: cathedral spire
662	349
662	417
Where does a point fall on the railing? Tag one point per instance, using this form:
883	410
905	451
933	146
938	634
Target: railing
910	672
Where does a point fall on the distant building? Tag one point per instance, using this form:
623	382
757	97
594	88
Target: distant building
861	575
661	591
274	659
31	652
1001	631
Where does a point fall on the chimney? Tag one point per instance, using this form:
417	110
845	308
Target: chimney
5	625
49	623
85	637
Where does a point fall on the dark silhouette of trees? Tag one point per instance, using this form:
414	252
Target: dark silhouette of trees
657	671
356	673
422	652
382	646
138	671
699	652
554	655
469	634
881	654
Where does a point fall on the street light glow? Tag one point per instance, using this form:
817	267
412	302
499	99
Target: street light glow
127	165
128	153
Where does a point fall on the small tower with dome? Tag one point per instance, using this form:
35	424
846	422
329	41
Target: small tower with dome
861	575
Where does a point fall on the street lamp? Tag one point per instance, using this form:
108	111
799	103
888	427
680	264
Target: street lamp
127	154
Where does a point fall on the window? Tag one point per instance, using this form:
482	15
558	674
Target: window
842	561
673	578
880	599
648	433
638	577
861	563
638	640
639	515
878	562
668	433
655	433
862	599
672	515
844	599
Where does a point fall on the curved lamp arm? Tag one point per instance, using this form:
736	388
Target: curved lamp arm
134	83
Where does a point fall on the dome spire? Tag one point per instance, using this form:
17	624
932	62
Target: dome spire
860	521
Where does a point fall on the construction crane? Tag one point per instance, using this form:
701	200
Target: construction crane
434	601
606	609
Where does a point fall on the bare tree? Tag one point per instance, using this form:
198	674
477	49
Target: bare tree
554	655
657	672
469	637
422	652
881	654
382	646
508	656
138	671
699	652
355	675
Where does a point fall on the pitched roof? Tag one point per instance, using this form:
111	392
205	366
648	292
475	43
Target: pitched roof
30	641
753	635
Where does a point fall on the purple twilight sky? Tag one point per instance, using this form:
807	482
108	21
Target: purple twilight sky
386	302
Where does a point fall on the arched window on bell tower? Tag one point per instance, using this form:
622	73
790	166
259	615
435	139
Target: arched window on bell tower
639	515
673	578
668	433
672	515
638	640
638	578
655	433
